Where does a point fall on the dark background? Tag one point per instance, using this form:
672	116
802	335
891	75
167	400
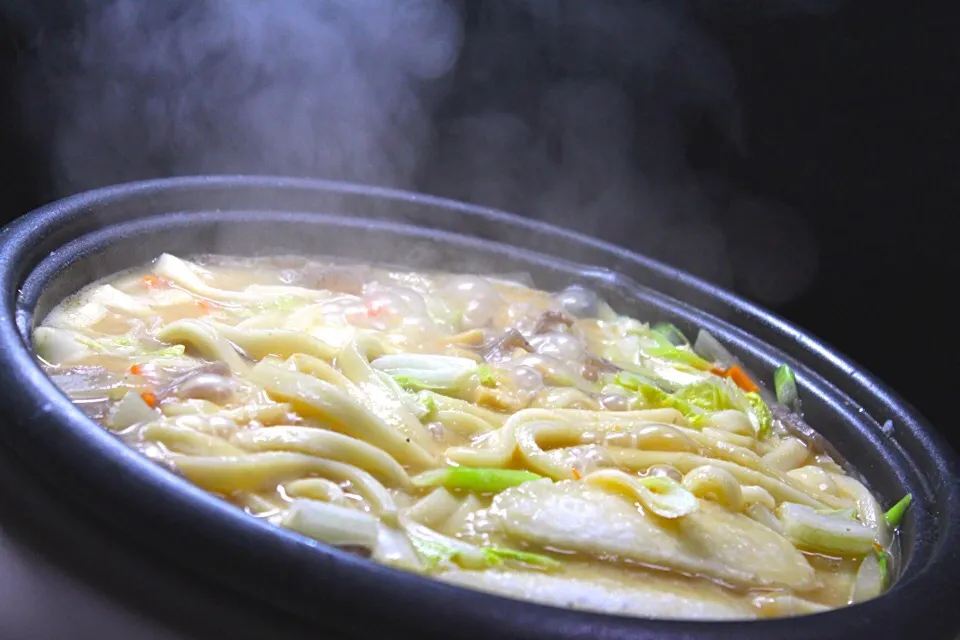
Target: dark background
849	117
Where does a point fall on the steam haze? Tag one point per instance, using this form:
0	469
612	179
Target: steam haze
332	89
578	113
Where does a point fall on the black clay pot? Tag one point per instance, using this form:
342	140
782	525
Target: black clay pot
259	577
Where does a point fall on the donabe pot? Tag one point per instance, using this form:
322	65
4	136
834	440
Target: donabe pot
299	585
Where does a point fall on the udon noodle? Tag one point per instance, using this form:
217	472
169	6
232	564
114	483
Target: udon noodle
477	430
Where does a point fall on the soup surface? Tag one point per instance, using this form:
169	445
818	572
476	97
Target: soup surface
478	430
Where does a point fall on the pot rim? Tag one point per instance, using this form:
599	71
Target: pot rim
519	617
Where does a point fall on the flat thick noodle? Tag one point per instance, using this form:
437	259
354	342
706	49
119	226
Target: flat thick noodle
494	436
206	340
322	400
261	343
326	444
382	400
710	542
264	471
654	596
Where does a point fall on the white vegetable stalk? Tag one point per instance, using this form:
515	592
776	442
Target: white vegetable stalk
414	403
333	524
869	581
110	296
436	372
832	533
436	550
709	348
59	346
129	411
394	549
739	400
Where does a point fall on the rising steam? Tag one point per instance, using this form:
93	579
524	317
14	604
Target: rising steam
577	112
296	87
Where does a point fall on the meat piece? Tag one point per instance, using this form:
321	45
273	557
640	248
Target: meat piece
594	366
207	386
550	320
798	428
498	347
213	370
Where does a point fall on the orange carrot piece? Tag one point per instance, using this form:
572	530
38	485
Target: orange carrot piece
740	377
717	371
374	310
154	282
576	474
136	369
149	398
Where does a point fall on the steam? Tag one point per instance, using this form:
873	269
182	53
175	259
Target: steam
577	113
332	89
595	139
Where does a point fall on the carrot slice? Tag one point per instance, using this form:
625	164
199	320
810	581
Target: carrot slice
740	377
149	398
136	369
375	309
154	282
576	474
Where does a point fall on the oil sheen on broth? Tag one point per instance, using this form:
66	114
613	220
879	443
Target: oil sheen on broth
474	429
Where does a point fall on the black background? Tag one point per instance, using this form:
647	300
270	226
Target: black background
849	117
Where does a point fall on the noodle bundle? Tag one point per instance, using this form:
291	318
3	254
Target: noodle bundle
477	430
